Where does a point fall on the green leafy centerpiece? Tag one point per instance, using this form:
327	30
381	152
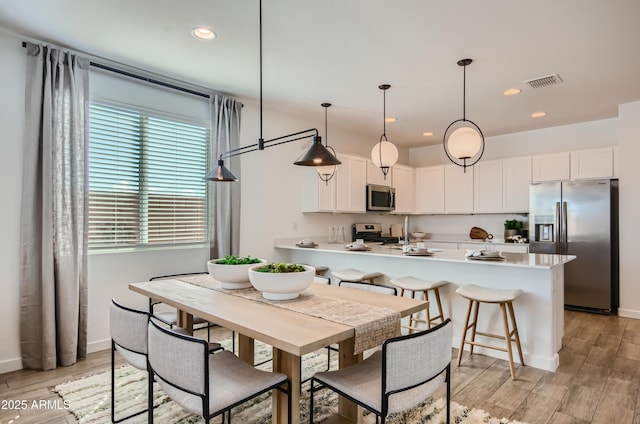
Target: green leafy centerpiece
281	281
233	271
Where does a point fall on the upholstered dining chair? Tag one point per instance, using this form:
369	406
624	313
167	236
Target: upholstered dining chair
204	384
129	337
403	374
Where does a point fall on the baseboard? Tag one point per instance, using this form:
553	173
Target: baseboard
628	313
10	365
99	345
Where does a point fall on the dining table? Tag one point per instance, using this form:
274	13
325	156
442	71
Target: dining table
290	331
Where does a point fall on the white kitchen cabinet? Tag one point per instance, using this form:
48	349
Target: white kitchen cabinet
592	163
516	178
351	179
375	175
429	190
317	195
487	190
551	167
404	183
458	190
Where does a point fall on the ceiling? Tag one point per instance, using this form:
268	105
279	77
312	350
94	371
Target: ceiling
339	51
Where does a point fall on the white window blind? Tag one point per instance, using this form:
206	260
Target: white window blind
146	182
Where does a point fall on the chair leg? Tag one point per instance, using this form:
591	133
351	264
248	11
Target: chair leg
475	324
515	332
448	399
507	339
464	332
312	389
436	292
425	295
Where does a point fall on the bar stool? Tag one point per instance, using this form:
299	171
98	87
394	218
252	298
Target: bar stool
355	275
476	295
414	284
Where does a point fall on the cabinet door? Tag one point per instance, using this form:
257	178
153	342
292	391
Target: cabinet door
592	163
375	175
516	178
404	183
487	181
317	195
350	184
430	189
553	167
458	190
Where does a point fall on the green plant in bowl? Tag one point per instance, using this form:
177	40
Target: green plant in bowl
281	267
236	260
512	224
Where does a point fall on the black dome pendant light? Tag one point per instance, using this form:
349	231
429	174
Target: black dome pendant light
463	140
316	155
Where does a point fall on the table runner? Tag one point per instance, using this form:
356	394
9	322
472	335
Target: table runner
373	324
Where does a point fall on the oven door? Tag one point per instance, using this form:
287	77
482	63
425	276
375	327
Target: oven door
380	198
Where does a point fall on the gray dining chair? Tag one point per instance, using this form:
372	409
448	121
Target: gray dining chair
204	384
403	374
128	329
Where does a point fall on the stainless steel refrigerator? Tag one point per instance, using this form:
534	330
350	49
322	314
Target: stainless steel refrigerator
579	218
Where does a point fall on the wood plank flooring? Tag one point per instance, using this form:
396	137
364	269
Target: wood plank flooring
598	380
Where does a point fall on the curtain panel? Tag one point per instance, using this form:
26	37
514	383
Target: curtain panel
224	198
53	272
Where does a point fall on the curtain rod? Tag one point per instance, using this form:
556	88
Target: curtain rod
141	77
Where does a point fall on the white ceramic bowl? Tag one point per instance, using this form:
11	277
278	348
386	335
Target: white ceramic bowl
279	285
419	235
231	276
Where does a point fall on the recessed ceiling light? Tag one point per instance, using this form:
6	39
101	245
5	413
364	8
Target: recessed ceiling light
427	134
390	119
203	33
538	114
511	91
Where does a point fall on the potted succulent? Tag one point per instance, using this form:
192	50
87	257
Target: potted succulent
233	271
512	227
281	281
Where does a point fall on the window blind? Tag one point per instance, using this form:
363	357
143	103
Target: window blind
146	182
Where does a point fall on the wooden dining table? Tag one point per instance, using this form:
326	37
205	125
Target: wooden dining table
291	334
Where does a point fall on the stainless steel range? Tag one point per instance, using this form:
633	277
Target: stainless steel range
371	233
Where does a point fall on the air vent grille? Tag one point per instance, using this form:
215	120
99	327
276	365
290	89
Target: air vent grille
544	81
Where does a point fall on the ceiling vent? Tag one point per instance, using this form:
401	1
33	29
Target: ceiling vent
544	81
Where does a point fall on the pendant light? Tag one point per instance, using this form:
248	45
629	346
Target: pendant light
463	140
384	154
316	155
326	172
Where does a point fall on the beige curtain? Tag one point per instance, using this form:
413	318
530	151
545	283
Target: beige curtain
224	197
53	288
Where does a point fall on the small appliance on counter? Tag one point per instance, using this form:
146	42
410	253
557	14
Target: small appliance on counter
371	233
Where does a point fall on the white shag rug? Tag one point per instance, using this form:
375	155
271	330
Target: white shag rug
90	401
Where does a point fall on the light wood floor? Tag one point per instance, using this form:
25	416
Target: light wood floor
598	380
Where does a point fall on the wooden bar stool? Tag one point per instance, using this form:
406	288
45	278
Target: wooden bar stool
476	295
355	275
414	284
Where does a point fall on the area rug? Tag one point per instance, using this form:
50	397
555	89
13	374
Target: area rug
90	401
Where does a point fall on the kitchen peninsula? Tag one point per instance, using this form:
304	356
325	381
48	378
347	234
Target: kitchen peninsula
539	310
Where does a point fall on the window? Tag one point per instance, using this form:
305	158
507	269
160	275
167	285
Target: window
146	182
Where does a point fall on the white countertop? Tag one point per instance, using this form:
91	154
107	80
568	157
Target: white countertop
527	260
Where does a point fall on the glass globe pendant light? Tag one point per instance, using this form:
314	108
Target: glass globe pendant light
326	172
384	154
463	140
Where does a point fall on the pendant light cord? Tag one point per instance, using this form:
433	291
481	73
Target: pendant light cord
464	93
384	115
326	137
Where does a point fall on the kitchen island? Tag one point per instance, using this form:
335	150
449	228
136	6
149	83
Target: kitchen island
539	310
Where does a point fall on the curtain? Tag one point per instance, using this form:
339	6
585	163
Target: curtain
53	250
224	197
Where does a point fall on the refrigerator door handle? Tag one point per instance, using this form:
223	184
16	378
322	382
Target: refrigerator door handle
565	243
558	225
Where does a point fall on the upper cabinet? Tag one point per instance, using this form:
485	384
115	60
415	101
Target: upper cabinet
458	189
375	175
404	183
552	167
345	192
351	181
592	163
429	190
516	177
488	186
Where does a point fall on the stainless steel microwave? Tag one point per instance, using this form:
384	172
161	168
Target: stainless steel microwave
380	198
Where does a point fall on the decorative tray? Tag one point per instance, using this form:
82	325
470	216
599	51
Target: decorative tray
357	249
487	258
418	253
308	246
